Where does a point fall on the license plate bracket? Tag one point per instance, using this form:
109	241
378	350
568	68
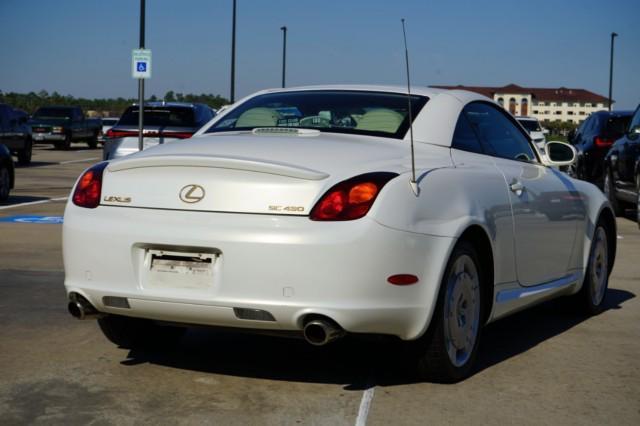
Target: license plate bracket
179	269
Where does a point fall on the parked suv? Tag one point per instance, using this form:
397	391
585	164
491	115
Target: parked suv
537	133
593	139
622	169
163	122
15	134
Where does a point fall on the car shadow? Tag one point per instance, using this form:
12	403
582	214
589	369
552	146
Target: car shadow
19	199
34	164
356	363
631	214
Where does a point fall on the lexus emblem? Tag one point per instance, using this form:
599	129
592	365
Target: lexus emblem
192	194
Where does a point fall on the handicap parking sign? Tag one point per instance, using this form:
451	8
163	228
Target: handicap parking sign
141	63
43	220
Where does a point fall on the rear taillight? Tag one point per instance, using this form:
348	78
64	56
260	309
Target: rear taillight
601	142
352	198
177	135
113	134
89	187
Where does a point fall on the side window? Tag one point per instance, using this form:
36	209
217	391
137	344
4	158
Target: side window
500	136
464	138
4	117
593	124
635	121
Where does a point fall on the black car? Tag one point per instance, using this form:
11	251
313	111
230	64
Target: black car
15	134
593	139
6	173
622	169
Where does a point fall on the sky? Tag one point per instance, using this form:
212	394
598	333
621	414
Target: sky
83	47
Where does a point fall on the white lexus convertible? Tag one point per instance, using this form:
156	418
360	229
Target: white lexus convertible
297	210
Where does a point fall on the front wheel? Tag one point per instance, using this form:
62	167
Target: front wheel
638	200
129	333
596	281
610	193
454	334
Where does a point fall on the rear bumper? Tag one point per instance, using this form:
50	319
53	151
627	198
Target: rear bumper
47	137
288	266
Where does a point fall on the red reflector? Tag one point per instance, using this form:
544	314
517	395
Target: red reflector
89	187
113	134
402	279
603	142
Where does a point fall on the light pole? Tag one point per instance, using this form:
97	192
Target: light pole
613	36
233	54
141	82
284	54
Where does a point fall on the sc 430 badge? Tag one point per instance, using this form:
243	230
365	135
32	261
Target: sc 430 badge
288	209
114	199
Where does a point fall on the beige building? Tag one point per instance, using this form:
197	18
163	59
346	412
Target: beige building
561	104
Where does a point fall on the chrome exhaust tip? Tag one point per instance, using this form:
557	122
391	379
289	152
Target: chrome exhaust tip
319	332
81	309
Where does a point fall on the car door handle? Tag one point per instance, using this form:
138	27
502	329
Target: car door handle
517	187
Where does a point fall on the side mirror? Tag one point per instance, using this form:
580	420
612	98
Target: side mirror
559	154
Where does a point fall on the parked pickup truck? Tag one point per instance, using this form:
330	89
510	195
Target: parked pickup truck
15	133
62	125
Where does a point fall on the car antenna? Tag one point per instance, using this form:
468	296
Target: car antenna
413	182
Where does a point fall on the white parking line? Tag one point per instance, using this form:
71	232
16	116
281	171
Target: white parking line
365	405
31	203
82	160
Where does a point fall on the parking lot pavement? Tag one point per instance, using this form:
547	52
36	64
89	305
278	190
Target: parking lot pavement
546	365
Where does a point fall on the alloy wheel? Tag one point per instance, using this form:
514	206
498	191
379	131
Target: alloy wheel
462	310
598	267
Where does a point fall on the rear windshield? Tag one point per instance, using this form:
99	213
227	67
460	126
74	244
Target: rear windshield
338	111
617	125
53	113
159	116
530	125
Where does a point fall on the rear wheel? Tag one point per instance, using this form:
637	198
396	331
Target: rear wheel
24	156
594	289
5	183
454	334
65	144
93	141
130	332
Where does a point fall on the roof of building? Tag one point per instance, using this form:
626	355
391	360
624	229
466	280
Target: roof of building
561	94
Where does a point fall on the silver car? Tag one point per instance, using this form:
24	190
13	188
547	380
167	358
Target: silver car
163	122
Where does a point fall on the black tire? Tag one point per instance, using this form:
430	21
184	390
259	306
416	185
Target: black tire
434	358
63	145
610	192
93	141
591	297
5	182
130	333
638	200
24	156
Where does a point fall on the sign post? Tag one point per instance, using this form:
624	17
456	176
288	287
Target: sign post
141	69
